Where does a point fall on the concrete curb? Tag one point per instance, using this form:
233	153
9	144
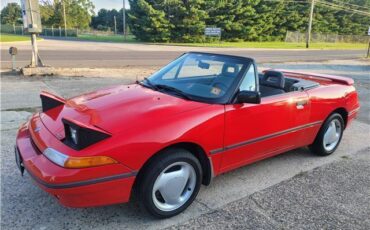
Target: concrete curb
133	72
20	42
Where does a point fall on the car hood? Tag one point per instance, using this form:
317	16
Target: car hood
117	109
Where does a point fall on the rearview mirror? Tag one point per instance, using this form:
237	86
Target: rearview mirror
251	97
203	65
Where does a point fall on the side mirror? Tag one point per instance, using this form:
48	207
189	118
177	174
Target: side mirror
251	97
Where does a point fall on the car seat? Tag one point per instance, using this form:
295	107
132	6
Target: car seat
272	83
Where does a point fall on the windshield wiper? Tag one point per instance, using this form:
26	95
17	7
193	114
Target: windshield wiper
175	90
148	83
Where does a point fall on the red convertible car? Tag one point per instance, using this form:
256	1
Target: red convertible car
160	139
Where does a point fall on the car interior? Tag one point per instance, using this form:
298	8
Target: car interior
273	82
227	76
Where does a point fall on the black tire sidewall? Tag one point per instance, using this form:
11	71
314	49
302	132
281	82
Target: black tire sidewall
318	145
167	158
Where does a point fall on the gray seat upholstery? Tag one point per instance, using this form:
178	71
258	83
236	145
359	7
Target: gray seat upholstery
227	76
272	83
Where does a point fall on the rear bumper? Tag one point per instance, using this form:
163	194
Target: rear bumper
86	187
352	115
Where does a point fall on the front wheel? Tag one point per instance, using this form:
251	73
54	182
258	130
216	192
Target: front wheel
171	183
329	136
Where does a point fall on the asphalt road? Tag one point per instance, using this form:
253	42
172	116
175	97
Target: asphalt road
59	53
292	190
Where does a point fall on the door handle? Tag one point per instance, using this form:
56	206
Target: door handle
301	104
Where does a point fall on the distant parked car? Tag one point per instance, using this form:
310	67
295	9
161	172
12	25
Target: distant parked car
161	138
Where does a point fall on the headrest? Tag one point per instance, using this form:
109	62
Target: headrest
230	70
274	79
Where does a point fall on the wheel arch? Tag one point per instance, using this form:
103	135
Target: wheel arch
343	112
193	148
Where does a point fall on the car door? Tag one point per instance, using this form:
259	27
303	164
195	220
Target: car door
256	131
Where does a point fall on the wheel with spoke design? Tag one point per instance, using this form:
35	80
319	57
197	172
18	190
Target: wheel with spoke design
170	183
329	136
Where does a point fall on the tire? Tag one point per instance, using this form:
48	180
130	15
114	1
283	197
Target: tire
325	147
165	177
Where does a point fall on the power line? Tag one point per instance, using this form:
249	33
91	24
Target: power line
344	9
288	1
338	7
329	4
345	3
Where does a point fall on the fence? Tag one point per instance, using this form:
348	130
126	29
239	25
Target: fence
97	32
55	32
330	38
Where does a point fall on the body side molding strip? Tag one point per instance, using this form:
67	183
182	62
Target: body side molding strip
262	138
81	183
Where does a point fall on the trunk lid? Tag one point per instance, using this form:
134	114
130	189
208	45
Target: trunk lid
319	77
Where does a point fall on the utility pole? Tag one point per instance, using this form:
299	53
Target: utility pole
124	18
308	38
115	25
35	60
64	18
368	48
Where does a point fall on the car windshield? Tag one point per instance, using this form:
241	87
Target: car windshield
199	76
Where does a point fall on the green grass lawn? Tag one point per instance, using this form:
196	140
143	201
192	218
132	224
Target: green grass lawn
266	45
14	38
275	45
106	38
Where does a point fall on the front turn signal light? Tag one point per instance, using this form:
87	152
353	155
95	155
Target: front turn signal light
77	162
85	162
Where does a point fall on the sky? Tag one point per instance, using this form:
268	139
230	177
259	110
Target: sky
107	4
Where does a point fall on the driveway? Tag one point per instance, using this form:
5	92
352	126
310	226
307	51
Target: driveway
334	196
292	190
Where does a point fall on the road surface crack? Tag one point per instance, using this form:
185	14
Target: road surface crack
260	210
205	205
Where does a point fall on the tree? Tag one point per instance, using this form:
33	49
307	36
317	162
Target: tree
249	20
148	23
335	20
78	13
46	12
291	18
11	14
233	16
104	20
187	19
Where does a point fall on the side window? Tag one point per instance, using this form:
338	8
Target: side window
249	81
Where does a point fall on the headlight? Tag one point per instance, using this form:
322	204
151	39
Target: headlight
79	136
55	156
73	133
76	162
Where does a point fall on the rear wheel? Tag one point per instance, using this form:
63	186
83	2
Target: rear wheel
171	183
329	136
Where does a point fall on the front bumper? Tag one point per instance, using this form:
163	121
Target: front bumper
86	187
